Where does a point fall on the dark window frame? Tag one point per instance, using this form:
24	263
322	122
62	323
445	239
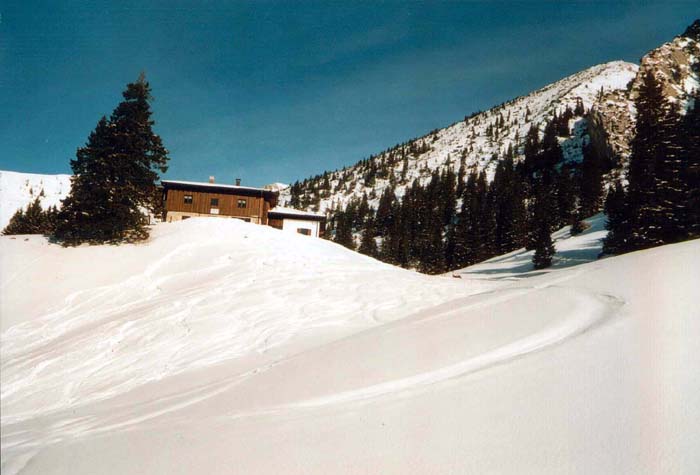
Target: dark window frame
243	202
304	231
188	199
214	203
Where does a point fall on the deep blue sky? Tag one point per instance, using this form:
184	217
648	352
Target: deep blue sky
279	91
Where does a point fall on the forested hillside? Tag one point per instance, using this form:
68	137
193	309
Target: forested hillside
506	178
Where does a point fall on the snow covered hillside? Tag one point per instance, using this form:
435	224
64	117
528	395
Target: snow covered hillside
17	190
570	251
606	92
481	140
225	347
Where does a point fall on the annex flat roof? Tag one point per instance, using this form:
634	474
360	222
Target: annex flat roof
296	213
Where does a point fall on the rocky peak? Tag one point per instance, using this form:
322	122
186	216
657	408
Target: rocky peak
675	65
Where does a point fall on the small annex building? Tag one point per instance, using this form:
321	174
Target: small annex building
294	220
187	199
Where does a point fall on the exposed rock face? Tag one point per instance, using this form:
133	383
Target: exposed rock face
675	64
612	124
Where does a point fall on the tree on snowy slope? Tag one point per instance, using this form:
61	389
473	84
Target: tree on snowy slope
617	222
385	211
544	218
566	196
691	157
656	192
32	221
343	228
509	208
577	225
114	175
368	245
591	181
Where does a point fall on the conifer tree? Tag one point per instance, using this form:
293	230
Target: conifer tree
448	196
648	186
368	245
486	220
544	247
691	156
566	196
114	175
544	217
577	224
618	221
385	211
32	221
590	181
343	229
507	192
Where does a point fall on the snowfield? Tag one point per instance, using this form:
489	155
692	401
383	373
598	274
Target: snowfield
225	347
17	190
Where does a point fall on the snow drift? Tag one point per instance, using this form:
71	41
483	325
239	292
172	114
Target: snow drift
221	347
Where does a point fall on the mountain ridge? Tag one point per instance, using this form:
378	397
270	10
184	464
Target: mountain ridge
606	91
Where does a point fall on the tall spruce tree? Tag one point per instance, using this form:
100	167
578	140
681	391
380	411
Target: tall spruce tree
368	245
544	217
646	216
114	175
385	211
507	192
691	155
343	228
618	220
590	181
566	196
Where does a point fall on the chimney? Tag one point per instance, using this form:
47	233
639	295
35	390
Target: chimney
238	182
211	179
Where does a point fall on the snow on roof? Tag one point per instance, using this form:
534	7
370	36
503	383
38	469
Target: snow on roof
212	185
296	212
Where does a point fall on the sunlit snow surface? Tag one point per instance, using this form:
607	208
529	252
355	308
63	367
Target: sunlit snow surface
225	347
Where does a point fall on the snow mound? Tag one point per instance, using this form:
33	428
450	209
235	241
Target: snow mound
223	346
17	190
202	291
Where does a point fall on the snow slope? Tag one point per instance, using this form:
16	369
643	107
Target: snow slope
224	347
570	251
469	137
17	190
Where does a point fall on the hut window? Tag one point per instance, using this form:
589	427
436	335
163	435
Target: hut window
215	202
242	203
188	199
304	231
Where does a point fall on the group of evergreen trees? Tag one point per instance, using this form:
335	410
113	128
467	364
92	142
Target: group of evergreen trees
33	220
113	187
457	219
661	204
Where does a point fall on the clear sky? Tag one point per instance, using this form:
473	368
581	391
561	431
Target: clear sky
271	91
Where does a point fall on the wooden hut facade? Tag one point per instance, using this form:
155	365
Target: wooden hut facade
187	199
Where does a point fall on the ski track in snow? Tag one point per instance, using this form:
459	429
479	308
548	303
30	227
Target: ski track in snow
193	341
588	311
